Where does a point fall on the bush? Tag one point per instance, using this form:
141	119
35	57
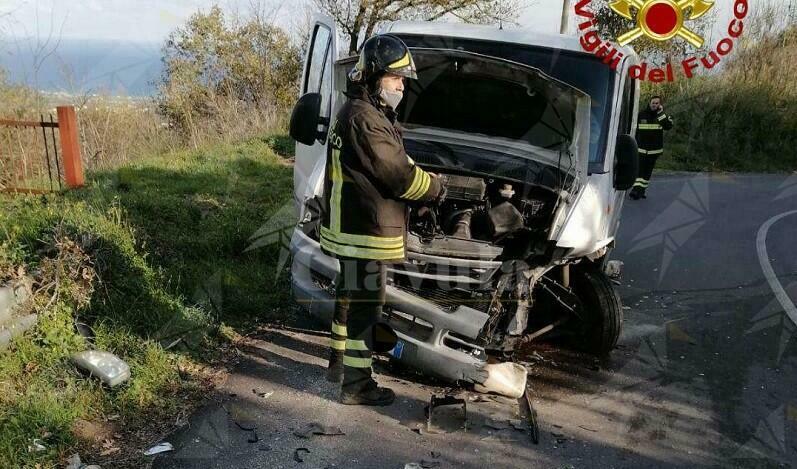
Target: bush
740	119
227	73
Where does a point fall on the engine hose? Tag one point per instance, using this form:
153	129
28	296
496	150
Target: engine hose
449	220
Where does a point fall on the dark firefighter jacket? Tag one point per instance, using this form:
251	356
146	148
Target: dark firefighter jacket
650	131
369	179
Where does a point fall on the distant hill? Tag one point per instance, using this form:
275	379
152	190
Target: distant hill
85	66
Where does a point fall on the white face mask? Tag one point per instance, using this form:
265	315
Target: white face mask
391	98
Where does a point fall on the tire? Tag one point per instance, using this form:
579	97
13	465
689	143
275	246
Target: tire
597	330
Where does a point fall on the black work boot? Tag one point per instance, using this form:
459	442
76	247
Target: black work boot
335	368
634	193
370	394
642	193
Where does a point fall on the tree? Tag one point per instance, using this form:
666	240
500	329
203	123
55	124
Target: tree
211	57
611	25
358	18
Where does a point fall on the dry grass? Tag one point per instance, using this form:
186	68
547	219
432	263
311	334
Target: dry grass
742	118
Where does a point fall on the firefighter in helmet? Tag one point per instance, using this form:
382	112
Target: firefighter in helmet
369	182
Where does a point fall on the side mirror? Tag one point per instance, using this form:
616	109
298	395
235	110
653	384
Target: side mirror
626	162
306	118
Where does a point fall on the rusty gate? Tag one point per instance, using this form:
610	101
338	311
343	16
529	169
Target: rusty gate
41	156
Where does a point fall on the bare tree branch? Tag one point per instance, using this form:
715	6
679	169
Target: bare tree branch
369	14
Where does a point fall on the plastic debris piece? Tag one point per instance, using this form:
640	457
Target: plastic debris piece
36	446
315	428
426	464
159	448
299	454
106	366
508	379
264	448
254	438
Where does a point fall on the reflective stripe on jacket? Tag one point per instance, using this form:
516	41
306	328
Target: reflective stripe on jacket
369	180
650	131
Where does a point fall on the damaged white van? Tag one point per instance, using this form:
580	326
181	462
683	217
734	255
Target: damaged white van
532	138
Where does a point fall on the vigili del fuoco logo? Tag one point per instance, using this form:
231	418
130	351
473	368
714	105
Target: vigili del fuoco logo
660	20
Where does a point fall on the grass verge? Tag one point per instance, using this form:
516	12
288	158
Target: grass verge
170	247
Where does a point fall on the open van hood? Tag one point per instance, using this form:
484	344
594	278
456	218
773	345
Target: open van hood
494	104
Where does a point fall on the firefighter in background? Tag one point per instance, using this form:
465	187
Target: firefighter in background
370	179
651	124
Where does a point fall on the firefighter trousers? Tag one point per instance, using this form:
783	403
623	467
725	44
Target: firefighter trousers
646	165
360	292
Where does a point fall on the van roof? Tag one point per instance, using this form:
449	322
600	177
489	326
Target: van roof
523	36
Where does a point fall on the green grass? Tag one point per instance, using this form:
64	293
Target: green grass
146	254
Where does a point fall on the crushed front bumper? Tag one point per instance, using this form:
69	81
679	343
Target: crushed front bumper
437	341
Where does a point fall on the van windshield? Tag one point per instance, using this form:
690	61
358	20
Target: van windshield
582	71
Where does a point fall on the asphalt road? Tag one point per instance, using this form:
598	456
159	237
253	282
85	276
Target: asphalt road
704	376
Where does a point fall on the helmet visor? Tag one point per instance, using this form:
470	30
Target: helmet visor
404	67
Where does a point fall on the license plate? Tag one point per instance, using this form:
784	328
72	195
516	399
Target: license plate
398	350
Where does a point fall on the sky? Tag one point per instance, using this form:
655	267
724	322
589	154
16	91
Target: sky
117	41
152	20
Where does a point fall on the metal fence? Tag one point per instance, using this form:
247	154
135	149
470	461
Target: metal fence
41	156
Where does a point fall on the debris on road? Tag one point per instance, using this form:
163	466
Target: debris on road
245	426
106	366
507	379
315	428
254	438
449	400
531	417
159	448
424	464
298	456
264	395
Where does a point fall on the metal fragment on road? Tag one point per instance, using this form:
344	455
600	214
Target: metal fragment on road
245	427
297	455
531	417
159	448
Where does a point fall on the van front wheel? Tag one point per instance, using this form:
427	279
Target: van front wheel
600	315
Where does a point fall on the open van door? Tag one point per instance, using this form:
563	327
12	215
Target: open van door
311	116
